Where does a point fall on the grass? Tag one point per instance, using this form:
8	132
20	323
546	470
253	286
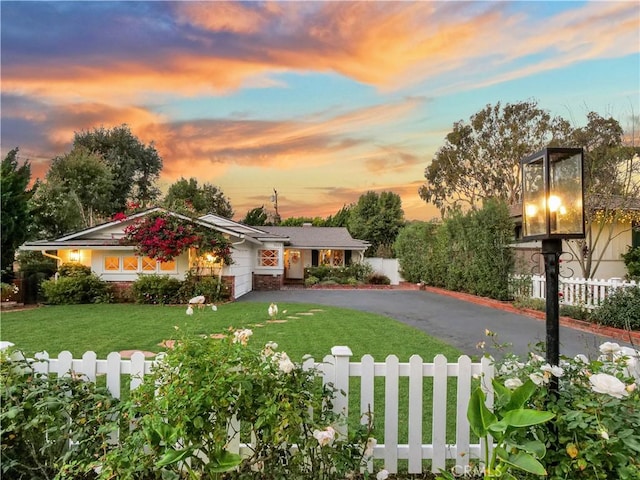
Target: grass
315	329
309	329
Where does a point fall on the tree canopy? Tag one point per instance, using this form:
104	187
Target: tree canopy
15	194
611	188
377	218
256	217
76	194
187	197
481	159
135	166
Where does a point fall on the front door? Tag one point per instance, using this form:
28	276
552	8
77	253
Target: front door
294	264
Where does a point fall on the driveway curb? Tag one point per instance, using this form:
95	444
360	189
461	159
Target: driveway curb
618	334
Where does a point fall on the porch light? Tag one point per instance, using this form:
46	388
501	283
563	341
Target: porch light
553	210
74	256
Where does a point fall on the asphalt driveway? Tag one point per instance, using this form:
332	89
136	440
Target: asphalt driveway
456	322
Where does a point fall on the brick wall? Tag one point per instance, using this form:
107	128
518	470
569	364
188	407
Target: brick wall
267	282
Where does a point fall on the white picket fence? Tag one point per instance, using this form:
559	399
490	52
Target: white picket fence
587	293
338	369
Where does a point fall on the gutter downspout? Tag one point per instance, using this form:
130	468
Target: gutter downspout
55	257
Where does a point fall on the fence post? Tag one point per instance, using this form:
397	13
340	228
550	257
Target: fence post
341	357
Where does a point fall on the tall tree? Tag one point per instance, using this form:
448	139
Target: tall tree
77	193
15	219
341	218
377	218
481	159
186	196
135	166
612	188
256	217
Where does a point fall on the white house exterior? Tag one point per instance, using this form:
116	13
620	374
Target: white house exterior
261	258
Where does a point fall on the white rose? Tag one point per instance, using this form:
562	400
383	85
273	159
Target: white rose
324	437
284	363
512	383
371	443
553	370
242	336
538	379
605	383
609	347
536	358
382	475
580	358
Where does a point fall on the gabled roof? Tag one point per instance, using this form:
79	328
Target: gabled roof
318	237
247	230
108	234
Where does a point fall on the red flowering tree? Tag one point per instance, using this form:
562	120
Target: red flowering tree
163	237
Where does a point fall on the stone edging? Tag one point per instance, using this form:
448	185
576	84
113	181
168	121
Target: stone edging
616	333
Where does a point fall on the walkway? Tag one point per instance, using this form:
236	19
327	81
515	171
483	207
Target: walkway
459	323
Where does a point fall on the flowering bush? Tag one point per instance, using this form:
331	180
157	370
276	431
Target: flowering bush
52	426
163	237
183	414
8	291
596	430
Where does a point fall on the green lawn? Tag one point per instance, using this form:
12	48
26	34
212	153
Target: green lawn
314	330
308	329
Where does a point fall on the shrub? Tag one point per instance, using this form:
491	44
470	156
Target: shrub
340	275
156	289
632	262
310	281
52	426
76	289
185	409
213	289
378	279
74	270
468	252
588	440
620	309
414	246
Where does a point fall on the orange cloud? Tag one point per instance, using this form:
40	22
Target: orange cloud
384	44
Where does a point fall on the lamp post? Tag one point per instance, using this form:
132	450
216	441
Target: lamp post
553	210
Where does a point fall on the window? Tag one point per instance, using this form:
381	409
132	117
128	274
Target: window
169	266
148	264
332	258
111	264
130	264
268	258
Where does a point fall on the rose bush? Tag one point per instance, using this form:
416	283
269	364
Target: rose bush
596	430
183	414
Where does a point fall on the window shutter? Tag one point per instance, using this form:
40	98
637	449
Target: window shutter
314	258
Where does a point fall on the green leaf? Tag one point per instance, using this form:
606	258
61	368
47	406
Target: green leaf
479	416
173	456
223	462
632	443
521	395
503	394
523	461
534	447
525	417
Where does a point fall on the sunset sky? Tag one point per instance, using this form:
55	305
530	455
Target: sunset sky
322	101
